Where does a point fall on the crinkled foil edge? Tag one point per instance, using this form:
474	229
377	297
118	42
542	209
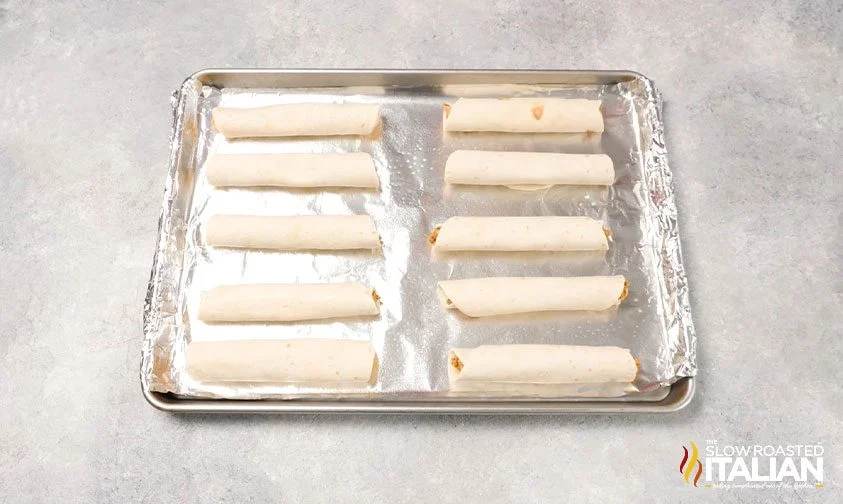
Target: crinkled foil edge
160	309
678	353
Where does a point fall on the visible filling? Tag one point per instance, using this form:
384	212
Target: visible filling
456	363
607	232
538	110
447	108
373	374
433	235
625	292
376	297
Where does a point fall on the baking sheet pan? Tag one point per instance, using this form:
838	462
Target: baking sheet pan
413	333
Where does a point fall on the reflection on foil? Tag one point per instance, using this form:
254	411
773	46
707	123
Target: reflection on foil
413	334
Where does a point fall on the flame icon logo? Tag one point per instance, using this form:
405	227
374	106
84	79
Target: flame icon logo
688	464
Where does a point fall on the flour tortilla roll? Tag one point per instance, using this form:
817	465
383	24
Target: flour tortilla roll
528	169
520	234
301	232
297	119
524	115
286	302
500	389
292	170
314	362
540	368
488	297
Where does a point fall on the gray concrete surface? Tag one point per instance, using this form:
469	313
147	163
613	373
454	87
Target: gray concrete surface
754	122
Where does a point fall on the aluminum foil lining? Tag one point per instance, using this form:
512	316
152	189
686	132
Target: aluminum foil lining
413	333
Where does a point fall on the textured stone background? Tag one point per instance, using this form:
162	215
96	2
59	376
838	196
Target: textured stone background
753	112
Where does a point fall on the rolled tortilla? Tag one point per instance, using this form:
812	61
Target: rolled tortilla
524	115
292	170
286	302
297	119
542	369
520	234
301	232
528	169
309	362
488	297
